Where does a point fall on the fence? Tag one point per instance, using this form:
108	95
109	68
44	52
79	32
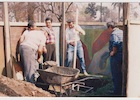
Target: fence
95	44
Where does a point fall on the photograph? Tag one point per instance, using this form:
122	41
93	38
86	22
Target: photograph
69	49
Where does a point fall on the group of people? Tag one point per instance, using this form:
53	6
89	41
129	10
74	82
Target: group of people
35	43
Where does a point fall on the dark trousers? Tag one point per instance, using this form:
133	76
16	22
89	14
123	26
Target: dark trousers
29	62
51	53
116	70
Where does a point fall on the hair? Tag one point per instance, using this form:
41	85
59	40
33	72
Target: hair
48	18
111	24
31	24
70	20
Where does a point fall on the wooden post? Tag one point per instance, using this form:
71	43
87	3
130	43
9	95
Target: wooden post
63	32
7	42
125	47
75	48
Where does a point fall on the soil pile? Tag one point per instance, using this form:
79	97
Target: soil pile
18	88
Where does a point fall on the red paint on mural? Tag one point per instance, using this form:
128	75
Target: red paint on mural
101	41
86	56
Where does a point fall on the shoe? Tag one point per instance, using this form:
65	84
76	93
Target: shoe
85	73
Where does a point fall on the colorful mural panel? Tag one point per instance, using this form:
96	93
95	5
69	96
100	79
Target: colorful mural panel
95	44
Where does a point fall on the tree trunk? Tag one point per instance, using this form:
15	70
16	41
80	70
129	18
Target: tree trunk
42	15
101	13
30	12
119	13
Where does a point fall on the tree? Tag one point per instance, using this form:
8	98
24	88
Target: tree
22	11
54	9
120	6
104	12
1	11
101	11
17	11
32	6
91	9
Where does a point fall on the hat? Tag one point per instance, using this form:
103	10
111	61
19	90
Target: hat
113	24
70	20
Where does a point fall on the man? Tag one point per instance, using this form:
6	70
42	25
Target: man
50	41
31	47
116	48
72	35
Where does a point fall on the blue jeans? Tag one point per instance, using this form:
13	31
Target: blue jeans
80	55
116	70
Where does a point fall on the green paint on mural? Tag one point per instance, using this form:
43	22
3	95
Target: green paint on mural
89	38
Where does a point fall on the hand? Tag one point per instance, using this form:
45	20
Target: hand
112	53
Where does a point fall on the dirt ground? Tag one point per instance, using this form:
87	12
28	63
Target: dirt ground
17	88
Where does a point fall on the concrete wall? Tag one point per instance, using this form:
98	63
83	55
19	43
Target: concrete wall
133	81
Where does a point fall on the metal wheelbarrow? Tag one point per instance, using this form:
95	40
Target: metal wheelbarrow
58	75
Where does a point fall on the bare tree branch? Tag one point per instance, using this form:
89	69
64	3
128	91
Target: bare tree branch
68	7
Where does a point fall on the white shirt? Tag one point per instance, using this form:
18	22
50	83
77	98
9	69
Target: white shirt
34	38
72	34
117	35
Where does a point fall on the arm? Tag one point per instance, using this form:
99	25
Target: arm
40	51
45	31
114	51
115	40
80	30
41	47
22	37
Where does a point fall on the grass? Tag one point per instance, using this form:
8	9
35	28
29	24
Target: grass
102	88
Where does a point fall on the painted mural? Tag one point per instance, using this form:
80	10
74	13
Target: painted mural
95	44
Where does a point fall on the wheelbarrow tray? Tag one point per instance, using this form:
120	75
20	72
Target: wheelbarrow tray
58	75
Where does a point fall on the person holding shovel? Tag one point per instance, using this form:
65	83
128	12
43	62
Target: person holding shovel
72	36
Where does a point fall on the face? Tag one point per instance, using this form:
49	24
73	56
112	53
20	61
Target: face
71	24
49	23
110	28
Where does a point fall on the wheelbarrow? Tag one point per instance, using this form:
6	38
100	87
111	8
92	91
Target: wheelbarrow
58	76
48	64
